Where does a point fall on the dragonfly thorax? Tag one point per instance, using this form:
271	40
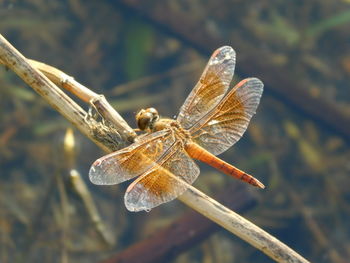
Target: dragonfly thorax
174	126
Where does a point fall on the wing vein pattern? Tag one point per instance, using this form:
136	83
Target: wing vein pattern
227	122
133	160
211	87
168	179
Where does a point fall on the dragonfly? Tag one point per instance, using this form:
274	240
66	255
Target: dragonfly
209	123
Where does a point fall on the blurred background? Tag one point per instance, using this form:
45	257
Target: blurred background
151	53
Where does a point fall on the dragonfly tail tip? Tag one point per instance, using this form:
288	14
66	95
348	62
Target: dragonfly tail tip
259	184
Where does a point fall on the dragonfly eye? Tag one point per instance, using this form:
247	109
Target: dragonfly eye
155	114
146	118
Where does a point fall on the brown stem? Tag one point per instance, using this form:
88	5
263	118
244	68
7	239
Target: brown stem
183	234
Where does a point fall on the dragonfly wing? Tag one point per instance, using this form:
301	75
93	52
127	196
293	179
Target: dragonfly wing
210	88
226	124
131	161
163	183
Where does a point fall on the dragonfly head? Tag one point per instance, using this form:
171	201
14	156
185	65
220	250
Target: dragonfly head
146	118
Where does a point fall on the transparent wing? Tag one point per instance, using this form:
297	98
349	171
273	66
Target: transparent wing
226	124
131	161
163	183
210	88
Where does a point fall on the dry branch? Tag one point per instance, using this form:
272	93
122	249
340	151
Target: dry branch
15	61
193	197
183	234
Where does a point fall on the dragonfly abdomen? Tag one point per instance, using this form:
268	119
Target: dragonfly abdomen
199	153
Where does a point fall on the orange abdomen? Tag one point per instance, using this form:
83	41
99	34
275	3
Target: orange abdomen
199	153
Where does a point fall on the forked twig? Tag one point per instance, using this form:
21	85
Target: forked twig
193	197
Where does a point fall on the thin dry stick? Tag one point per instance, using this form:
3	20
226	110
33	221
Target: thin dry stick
15	61
193	197
65	217
240	226
98	101
79	186
89	204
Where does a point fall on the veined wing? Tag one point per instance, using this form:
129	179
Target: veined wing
164	182
210	88
226	124
131	161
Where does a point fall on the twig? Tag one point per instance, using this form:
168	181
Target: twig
183	234
98	101
240	226
65	217
193	197
49	91
81	188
